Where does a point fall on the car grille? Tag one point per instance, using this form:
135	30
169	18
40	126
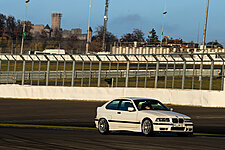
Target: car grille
177	120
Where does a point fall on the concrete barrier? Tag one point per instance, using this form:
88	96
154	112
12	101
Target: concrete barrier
168	96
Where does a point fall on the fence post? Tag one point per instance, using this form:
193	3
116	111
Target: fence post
39	69
64	70
146	71
127	71
157	71
73	70
99	70
57	69
90	72
137	71
8	67
82	78
184	71
24	65
127	74
48	70
211	72
32	70
166	72
201	70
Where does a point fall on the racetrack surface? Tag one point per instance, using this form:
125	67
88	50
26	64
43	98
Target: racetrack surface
209	128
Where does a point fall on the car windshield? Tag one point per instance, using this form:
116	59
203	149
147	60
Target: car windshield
150	105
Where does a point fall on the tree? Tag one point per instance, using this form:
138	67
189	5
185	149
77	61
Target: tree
97	39
136	36
2	24
109	36
10	26
152	38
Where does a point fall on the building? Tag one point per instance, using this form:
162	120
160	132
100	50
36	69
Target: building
56	21
56	26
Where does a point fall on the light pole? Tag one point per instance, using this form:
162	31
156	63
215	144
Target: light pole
105	25
24	27
205	27
88	34
203	44
164	13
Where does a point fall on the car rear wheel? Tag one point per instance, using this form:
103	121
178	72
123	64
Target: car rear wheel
103	126
147	127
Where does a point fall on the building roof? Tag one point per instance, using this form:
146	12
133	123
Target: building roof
47	27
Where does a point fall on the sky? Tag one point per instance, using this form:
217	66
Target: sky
185	18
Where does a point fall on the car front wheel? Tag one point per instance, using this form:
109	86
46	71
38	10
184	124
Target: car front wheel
147	127
103	126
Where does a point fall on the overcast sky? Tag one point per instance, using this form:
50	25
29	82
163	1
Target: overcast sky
185	18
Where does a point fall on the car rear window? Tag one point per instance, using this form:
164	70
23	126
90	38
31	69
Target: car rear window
113	105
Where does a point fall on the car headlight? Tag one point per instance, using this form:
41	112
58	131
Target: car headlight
162	120
187	120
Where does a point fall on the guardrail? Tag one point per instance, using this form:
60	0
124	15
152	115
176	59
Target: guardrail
176	71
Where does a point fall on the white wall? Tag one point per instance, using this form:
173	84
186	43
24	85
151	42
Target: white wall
169	96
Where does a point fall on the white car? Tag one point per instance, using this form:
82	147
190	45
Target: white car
141	115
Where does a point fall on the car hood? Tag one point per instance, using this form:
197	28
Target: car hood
159	113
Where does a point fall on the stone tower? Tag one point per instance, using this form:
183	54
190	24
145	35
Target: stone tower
56	21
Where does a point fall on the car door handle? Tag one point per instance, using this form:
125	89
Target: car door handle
118	112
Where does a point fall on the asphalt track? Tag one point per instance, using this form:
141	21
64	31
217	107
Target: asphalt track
35	124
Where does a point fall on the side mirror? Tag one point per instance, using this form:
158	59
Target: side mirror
171	109
130	109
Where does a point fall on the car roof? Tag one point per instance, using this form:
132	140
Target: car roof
137	98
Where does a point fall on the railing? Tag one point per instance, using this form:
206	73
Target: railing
177	71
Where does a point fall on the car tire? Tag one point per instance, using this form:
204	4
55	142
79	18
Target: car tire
103	126
147	127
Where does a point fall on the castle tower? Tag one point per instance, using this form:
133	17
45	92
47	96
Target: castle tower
56	21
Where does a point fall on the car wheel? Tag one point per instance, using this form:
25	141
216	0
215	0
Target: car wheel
103	126
147	127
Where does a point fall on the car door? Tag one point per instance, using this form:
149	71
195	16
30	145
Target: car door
126	119
111	113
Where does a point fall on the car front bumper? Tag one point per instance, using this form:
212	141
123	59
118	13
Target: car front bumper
170	127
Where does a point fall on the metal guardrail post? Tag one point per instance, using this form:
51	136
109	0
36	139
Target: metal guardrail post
157	71
146	71
57	70
201	70
117	70
73	70
167	64
32	70
48	70
24	69
90	72
8	67
110	67
82	73
127	71
211	72
64	69
193	73
15	63
222	73
39	70
184	72
127	74
137	71
99	70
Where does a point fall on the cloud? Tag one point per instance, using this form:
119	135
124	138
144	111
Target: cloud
132	18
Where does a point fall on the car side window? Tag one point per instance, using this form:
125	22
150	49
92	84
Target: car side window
125	104
113	105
